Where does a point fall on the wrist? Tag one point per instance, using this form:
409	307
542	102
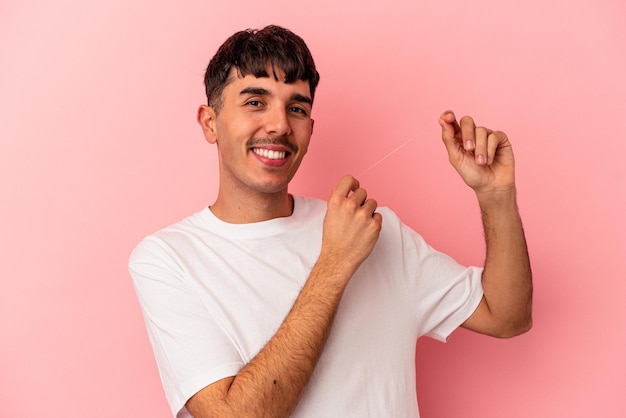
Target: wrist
497	198
332	271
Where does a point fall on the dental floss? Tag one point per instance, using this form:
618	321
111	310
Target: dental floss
390	153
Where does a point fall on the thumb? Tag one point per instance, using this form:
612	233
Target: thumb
449	128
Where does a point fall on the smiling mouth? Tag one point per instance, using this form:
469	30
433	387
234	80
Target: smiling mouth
278	148
270	154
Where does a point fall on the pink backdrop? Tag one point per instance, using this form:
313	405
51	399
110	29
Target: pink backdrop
99	146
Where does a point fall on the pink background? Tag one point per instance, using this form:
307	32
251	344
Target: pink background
99	146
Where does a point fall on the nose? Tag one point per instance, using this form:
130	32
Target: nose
277	122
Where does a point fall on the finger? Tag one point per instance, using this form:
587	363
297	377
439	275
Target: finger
494	141
481	148
448	117
468	133
370	206
358	196
449	129
346	185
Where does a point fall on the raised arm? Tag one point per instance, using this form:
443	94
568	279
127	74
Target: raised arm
272	382
484	160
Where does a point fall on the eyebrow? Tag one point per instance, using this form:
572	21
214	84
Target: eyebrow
260	91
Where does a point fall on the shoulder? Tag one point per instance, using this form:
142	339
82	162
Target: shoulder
392	224
396	235
160	244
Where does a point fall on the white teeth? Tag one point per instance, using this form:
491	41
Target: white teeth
271	154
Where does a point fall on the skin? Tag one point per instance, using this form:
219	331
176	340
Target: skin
484	160
276	117
253	188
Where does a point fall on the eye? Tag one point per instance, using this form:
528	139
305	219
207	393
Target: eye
254	103
297	109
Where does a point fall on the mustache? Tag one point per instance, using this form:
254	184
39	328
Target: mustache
280	140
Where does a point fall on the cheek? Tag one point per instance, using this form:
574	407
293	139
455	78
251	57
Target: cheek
229	140
303	141
233	125
305	130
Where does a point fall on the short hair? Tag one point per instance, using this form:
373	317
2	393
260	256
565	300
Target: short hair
251	51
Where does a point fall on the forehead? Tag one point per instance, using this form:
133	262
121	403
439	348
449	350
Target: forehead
274	83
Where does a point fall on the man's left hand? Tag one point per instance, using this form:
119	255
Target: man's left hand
482	157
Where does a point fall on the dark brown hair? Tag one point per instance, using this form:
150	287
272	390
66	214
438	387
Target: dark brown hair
251	52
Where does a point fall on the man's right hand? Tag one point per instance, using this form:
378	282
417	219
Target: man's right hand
351	227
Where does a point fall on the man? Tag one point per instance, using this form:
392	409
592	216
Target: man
269	305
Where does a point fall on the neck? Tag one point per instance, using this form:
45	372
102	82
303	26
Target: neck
249	209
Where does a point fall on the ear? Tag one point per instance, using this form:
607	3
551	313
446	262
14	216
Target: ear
312	124
207	119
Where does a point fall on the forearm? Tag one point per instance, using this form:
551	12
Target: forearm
272	382
507	278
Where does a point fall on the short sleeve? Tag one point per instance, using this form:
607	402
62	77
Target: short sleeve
445	292
191	349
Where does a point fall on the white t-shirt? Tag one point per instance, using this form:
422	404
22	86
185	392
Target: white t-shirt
213	293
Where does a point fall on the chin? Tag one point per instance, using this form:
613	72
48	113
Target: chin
274	185
272	188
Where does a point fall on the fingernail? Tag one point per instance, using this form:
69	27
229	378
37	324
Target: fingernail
480	159
468	144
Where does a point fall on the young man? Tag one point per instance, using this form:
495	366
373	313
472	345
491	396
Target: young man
266	304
